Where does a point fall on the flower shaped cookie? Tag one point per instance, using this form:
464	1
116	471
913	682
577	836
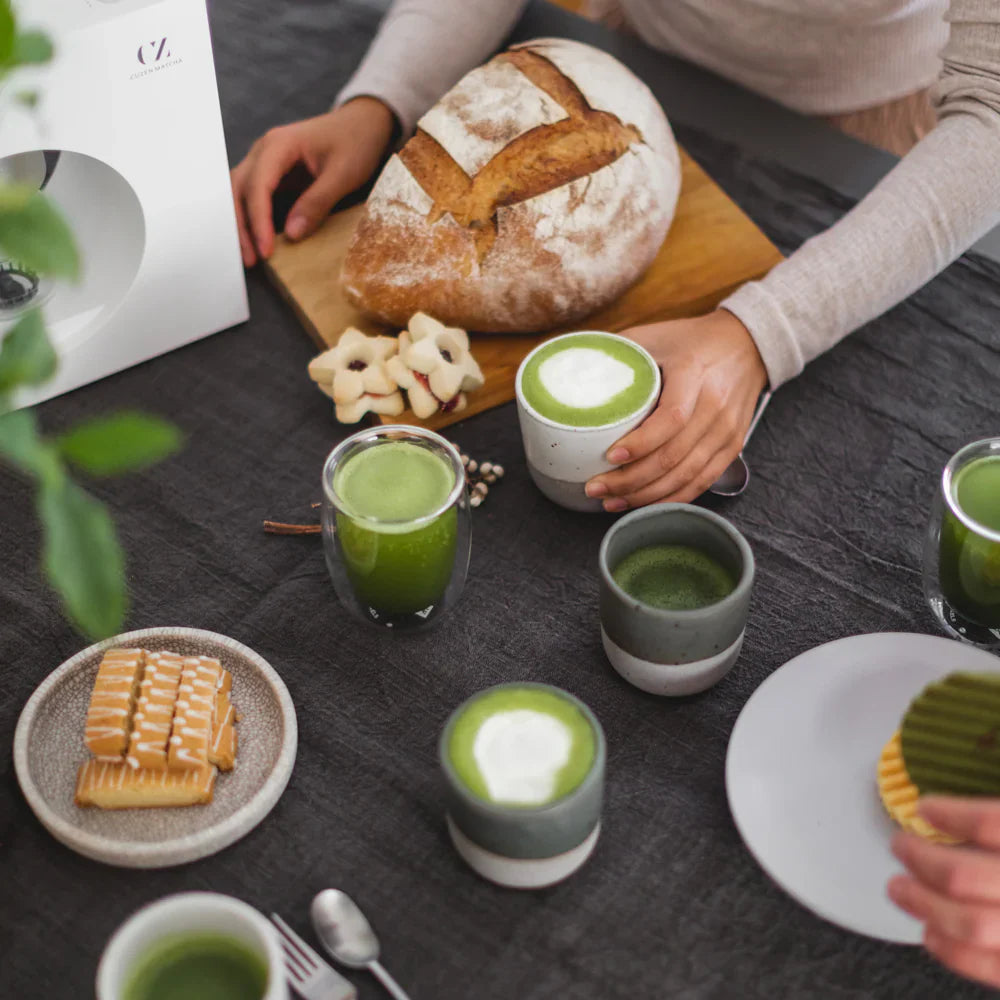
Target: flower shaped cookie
434	366
355	375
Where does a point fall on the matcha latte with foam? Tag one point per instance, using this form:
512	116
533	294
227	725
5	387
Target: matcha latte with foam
577	396
524	766
521	746
588	379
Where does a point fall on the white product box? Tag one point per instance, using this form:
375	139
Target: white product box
127	141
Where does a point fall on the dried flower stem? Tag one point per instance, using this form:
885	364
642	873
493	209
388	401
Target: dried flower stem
281	528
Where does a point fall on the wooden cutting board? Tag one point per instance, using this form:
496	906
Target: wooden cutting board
712	248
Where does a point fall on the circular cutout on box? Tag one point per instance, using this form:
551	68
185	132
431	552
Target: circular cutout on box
105	216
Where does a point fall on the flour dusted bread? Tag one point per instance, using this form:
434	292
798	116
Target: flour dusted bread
536	191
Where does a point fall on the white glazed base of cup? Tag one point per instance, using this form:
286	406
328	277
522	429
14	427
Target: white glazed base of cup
671	679
568	495
522	873
189	913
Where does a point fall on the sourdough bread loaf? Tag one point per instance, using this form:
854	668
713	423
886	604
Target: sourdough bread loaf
536	191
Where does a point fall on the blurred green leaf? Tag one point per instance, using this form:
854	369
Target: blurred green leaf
35	235
31	48
123	442
15	196
22	445
7	31
26	355
27	98
82	559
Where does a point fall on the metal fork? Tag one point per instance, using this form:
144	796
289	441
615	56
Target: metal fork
308	974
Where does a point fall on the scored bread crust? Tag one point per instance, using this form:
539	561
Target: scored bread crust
537	190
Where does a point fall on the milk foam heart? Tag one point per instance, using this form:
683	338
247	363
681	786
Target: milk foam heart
584	377
520	755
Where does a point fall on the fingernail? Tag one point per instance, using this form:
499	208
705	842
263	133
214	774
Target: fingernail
615	506
618	456
596	489
295	227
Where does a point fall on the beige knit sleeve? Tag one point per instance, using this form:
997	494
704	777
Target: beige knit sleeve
931	207
424	47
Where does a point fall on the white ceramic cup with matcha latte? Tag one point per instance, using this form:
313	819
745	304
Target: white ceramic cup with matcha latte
578	394
524	769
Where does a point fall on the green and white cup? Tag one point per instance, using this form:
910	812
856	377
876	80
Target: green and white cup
674	652
180	916
524	769
577	394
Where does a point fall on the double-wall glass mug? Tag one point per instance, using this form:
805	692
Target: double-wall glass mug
962	550
396	525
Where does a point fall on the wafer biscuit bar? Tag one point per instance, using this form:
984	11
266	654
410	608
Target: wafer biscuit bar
191	736
222	750
154	711
119	786
112	703
899	795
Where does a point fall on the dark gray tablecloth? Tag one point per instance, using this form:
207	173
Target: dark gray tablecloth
671	904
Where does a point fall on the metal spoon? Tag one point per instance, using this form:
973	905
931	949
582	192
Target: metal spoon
348	937
734	480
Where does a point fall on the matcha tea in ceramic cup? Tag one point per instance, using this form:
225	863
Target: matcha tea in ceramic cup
193	944
524	767
675	591
576	396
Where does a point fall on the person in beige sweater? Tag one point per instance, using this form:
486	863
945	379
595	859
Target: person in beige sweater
823	57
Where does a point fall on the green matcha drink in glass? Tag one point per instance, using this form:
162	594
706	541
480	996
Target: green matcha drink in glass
962	555
396	529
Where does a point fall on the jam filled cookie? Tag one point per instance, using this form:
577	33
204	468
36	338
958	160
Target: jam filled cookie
354	375
434	366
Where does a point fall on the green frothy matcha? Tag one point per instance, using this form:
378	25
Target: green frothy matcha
673	577
393	481
619	406
198	965
583	747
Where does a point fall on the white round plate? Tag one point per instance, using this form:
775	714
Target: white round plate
800	771
48	750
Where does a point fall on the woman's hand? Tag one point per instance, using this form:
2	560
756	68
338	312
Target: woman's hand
955	891
712	376
341	149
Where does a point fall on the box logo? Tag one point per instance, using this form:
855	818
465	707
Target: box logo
153	52
155	56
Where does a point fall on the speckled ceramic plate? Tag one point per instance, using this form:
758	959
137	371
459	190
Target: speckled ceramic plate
48	749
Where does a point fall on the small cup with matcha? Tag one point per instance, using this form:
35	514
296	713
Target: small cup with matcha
675	592
196	944
576	396
524	769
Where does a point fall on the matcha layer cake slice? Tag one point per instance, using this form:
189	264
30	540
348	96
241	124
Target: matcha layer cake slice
951	736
